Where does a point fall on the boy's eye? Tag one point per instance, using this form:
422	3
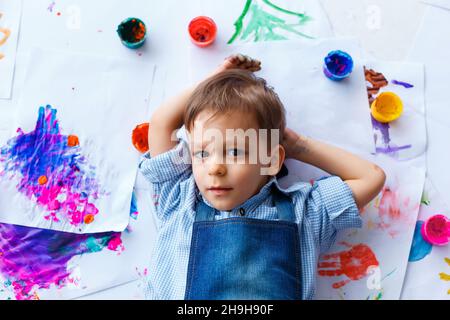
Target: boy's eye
201	154
235	152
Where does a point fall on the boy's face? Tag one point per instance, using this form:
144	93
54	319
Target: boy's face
227	165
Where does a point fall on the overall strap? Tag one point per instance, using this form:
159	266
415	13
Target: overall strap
285	207
203	212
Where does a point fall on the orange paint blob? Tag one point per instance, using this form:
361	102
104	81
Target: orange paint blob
89	218
140	137
42	180
72	141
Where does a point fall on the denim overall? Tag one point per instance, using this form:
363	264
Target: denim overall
244	259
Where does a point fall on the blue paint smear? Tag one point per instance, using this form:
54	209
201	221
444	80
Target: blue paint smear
404	84
133	209
419	248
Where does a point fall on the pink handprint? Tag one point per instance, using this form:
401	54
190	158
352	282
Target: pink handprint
353	263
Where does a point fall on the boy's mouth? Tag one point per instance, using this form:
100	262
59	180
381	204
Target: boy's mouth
219	190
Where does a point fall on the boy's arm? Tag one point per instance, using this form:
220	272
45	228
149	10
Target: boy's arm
168	117
364	178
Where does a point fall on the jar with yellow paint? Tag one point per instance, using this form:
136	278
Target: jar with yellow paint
387	107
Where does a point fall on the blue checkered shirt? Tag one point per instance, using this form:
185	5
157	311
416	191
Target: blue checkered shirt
321	210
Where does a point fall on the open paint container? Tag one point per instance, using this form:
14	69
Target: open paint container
436	230
386	107
338	65
132	32
202	31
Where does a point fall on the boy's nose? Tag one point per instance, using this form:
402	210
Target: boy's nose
218	169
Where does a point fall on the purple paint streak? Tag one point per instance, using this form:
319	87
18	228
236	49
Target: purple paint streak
404	84
32	259
384	130
52	171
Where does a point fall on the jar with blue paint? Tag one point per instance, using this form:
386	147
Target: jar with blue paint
338	65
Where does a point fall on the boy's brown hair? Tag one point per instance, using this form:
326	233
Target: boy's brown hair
237	90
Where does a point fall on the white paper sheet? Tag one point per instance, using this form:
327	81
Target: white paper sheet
444	4
335	112
434	55
10	13
100	101
428	274
406	137
370	263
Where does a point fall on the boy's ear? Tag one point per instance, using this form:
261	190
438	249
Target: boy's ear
277	160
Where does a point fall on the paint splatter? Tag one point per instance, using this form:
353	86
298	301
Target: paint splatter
354	263
375	81
262	25
134	210
51	6
419	248
6	34
425	200
51	171
404	84
444	276
394	212
33	259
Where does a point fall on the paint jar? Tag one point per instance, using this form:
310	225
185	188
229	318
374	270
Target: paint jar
436	230
386	107
338	65
132	32
202	31
139	137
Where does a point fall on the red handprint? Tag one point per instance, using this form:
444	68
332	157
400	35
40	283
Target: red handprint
354	263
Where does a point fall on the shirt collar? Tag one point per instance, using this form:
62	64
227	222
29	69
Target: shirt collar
253	202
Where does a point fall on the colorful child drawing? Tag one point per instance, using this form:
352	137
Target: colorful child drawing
375	81
354	263
33	259
394	211
52	171
6	33
267	21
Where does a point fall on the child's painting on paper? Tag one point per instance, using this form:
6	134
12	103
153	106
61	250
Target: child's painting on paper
428	274
49	169
245	21
358	266
406	137
71	165
47	264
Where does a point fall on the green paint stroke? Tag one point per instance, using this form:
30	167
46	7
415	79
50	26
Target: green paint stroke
263	26
425	199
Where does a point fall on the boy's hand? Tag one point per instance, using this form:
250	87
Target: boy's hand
239	61
293	144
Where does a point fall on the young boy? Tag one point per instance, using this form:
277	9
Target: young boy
227	230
